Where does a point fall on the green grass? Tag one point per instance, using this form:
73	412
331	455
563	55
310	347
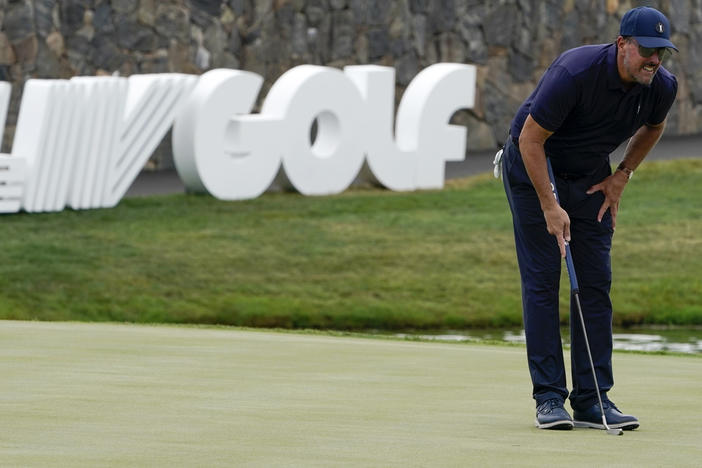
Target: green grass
86	395
365	259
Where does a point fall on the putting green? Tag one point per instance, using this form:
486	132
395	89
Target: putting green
121	395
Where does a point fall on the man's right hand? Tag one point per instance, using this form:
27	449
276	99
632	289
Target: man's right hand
558	225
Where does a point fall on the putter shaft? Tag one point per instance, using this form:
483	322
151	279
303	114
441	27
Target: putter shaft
609	430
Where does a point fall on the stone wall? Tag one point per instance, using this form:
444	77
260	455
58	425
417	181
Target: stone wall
511	42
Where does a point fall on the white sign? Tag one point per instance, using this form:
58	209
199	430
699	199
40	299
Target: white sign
82	142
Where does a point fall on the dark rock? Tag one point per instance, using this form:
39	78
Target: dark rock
679	16
342	34
316	11
696	12
102	19
155	62
548	17
406	68
106	55
527	8
360	11
172	21
72	13
398	46
19	21
451	48
591	20
694	54
479	135
323	46
43	16
216	41
337	4
696	88
211	7
78	63
526	44
48	64
442	15
133	36
234	41
419	6
672	122
419	33
520	66
26	51
472	14
5	75
78	45
378	12
252	35
125	6
253	59
285	19
499	25
237	6
476	48
204	12
7	54
499	108
275	48
299	36
571	31
378	43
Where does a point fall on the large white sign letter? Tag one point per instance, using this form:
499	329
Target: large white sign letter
219	150
423	115
300	96
389	166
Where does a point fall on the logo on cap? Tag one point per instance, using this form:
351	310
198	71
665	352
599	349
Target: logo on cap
659	28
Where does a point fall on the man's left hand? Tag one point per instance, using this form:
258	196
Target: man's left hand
612	188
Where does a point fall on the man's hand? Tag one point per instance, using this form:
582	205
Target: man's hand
612	188
638	147
558	225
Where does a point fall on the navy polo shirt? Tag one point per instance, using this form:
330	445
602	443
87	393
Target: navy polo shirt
582	99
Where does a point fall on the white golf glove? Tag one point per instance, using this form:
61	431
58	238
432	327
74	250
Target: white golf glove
498	165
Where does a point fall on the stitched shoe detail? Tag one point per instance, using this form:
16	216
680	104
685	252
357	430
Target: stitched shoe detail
552	415
592	417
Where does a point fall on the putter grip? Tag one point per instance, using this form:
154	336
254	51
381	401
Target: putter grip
574	289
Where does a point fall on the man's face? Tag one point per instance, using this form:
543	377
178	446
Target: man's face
636	67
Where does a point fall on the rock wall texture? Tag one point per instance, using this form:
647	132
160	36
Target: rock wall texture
510	41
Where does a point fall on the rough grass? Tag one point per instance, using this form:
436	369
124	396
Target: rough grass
365	259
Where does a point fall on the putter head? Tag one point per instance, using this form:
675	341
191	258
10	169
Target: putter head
610	430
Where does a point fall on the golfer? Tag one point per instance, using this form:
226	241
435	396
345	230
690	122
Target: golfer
590	100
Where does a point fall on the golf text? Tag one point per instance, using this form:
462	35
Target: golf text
82	142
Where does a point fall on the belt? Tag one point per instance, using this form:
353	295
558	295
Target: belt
569	176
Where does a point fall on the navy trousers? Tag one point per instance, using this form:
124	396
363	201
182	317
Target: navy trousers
540	268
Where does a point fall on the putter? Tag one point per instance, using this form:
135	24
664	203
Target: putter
575	292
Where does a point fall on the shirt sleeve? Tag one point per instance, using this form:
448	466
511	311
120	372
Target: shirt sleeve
664	102
555	99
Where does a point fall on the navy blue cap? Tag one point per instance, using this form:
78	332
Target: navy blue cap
648	26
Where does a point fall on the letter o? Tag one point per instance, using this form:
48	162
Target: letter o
300	96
